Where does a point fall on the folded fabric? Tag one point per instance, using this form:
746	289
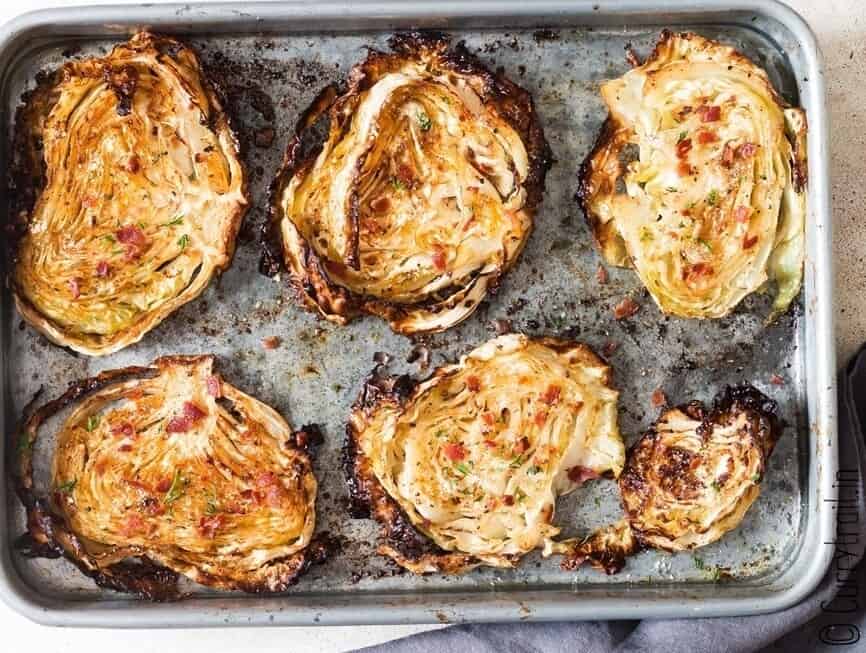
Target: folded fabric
834	614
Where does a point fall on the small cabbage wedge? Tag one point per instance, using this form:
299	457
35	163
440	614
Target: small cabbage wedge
698	178
689	480
464	469
420	197
173	467
130	191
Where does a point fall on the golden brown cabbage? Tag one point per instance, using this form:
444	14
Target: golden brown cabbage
689	480
711	204
131	194
173	466
421	196
463	469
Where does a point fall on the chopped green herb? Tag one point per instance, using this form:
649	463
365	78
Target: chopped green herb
109	239
183	241
717	486
690	206
178	486
462	468
520	494
756	478
174	221
517	462
682	136
398	184
142	226
699	563
441	433
67	487
92	422
424	121
715	574
212	507
713	197
535	469
597	501
645	235
671	189
24	443
708	247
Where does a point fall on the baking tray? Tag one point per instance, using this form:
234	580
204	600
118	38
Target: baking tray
272	59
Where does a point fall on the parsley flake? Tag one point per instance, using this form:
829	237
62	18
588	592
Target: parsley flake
424	121
67	487
183	241
92	422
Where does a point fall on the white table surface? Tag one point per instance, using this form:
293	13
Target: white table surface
841	29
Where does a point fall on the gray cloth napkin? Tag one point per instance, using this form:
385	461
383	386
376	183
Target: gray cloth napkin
834	615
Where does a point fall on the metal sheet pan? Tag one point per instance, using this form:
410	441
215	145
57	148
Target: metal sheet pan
273	58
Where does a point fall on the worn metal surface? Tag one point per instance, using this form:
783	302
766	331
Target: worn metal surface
316	372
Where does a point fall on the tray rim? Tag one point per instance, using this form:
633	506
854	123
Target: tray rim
636	601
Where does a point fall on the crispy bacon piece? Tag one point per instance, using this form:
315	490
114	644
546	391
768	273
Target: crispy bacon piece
580	475
132	525
540	417
508	499
208	526
133	239
747	150
184	422
214	389
626	308
164	485
75	287
707	136
454	451
103	269
728	155
684	147
551	395
124	429
742	213
440	259
473	383
271	342
659	398
749	241
710	113
601	274
776	379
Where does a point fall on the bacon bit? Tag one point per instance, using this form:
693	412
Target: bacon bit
439	258
125	430
742	213
601	275
99	467
540	417
710	113
490	443
658	398
696	270
125	447
74	287
488	418
686	110
551	395
164	485
454	451
271	342
131	235
380	204
473	383
132	525
576	407
134	239
626	308
133	165
631	56
214	389
208	526
102	269
706	136
749	241
522	445
491	503
508	499
138	485
406	175
775	379
728	156
608	348
89	201
683	148
746	150
183	423
580	474
684	169
135	393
